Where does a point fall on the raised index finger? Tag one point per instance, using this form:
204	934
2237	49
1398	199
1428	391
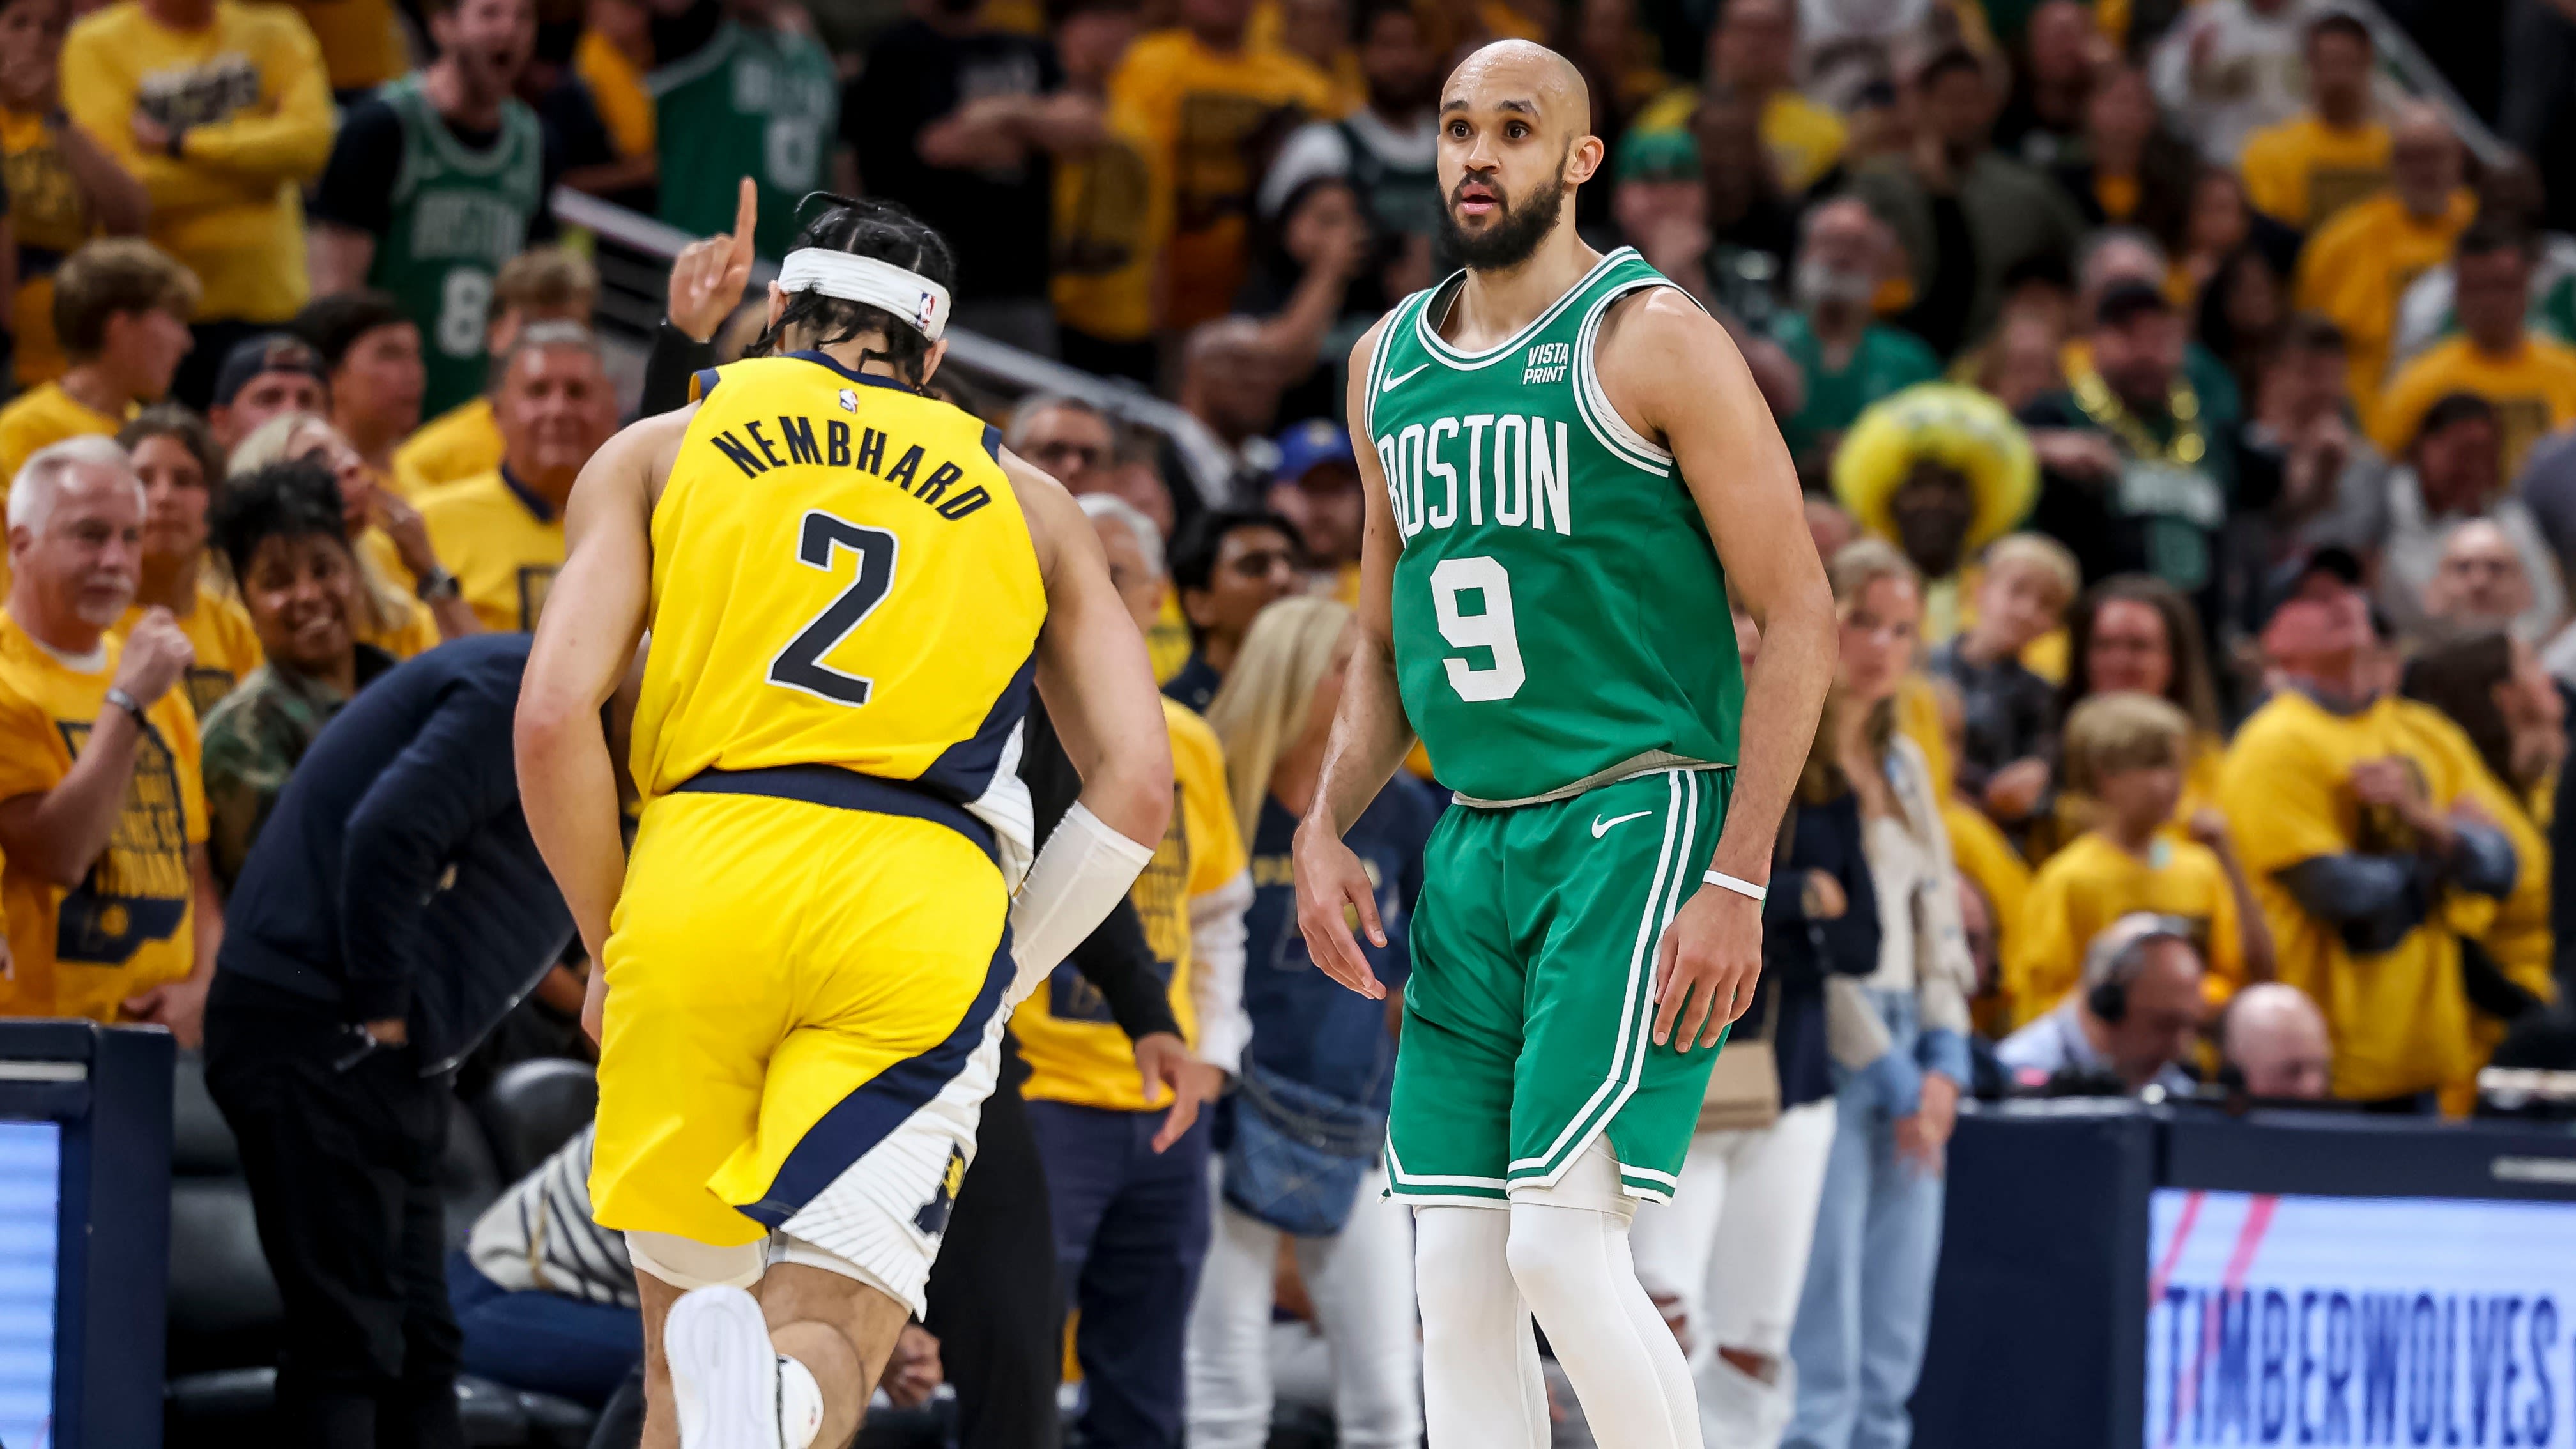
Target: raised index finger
746	220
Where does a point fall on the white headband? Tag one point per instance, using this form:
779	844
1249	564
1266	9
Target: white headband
906	294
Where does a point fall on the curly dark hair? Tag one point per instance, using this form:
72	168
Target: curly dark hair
864	227
283	500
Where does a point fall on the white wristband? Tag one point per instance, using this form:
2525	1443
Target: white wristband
1723	881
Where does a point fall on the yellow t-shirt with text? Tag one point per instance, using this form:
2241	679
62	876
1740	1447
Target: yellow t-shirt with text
457	444
2355	268
2397	1018
1113	213
227	647
128	926
2533	391
1209	118
1075	1052
253	102
2092	883
2301	172
503	543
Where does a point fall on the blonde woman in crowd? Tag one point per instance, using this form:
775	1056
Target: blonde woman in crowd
1899	1038
1319	1070
407	602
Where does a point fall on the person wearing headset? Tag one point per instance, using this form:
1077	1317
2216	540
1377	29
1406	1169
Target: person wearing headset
2133	1019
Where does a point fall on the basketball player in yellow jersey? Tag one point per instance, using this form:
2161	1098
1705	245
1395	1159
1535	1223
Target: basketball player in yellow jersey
806	964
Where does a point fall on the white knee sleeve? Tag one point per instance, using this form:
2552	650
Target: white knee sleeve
689	1265
1568	1251
1481	1383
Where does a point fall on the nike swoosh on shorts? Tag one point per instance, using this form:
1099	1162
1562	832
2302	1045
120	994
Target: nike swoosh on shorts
1601	827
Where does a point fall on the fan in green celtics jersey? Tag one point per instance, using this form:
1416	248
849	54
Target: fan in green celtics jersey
1571	470
434	182
756	98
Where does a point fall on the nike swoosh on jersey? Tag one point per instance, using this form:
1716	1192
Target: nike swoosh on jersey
1601	827
1392	383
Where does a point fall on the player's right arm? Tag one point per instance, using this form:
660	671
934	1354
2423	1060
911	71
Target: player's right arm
1369	739
585	643
1098	685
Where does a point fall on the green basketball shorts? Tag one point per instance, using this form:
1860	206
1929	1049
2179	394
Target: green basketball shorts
1529	1019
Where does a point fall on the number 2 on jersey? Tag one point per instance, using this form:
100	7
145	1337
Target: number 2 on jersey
819	543
1493	629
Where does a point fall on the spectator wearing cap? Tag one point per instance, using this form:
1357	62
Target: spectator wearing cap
2352	829
265	377
2530	379
2131	1021
2135	477
1228	565
2449	483
1846	359
1317	488
502	533
2272	1044
176	459
1966	217
2116	254
223	112
1660	201
2303	171
280	532
371	351
112	912
541	284
121	310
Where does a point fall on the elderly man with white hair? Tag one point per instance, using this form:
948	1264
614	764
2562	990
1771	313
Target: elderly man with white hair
111	907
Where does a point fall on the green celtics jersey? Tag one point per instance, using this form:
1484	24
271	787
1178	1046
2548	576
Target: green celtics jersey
1560	615
753	102
457	216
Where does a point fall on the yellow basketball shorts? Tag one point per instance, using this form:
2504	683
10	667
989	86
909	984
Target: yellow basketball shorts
805	1007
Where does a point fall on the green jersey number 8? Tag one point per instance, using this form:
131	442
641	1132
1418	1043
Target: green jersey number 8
464	311
1490	630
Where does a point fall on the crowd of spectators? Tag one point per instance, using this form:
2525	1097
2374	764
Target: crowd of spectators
2187	414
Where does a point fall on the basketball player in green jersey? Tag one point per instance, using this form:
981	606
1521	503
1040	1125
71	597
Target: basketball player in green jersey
1570	465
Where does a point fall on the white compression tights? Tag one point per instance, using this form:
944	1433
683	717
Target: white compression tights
1561	1253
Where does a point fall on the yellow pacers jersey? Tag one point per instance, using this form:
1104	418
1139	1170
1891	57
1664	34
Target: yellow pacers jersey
841	576
127	926
504	544
456	445
1075	1052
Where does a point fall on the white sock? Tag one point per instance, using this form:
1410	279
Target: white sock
1481	1384
1573	1268
800	1404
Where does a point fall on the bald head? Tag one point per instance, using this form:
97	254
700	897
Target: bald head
2424	160
2276	1040
1526	74
1515	138
2480	579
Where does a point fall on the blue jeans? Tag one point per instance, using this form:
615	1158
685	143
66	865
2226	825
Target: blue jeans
1858	1344
1131	1231
543	1342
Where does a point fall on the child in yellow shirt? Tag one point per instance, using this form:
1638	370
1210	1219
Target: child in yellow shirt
2127	752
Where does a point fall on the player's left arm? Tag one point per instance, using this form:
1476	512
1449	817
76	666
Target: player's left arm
1672	371
585	643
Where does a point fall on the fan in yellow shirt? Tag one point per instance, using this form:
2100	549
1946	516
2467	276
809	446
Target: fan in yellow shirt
111	908
2356	266
2511	722
64	187
121	309
542	284
502	533
1204	101
2529	379
176	459
2351	830
223	111
362	43
2304	170
1198	880
1318	33
2126	752
1750	50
